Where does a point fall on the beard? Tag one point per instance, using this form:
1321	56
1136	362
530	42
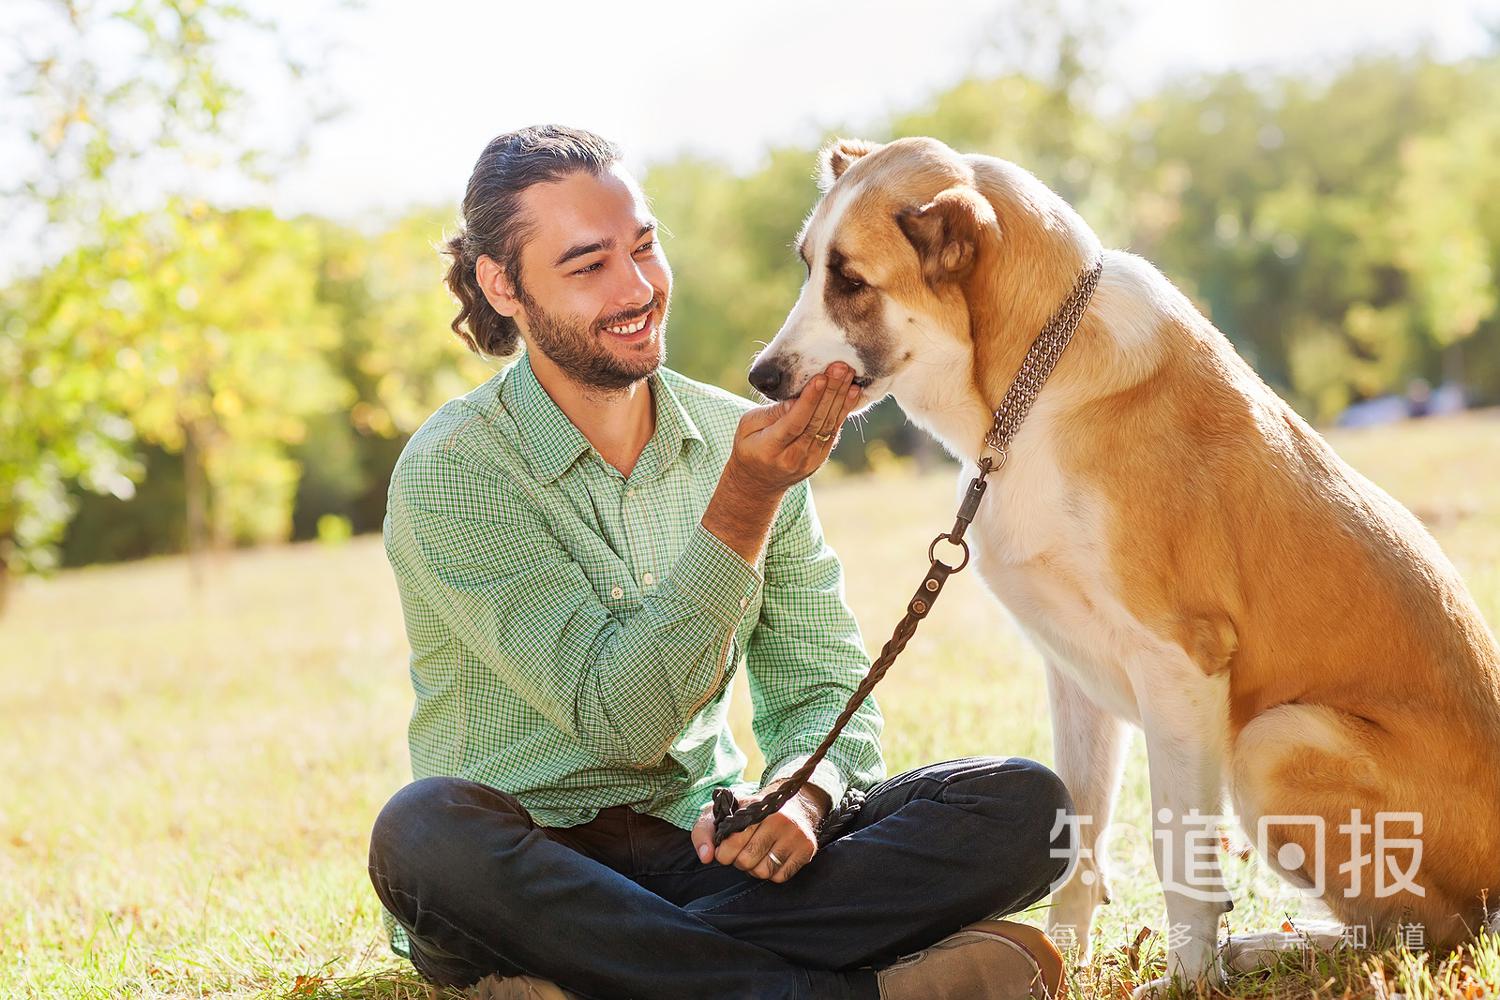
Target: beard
579	349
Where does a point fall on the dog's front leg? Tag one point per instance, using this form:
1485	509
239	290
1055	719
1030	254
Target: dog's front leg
1088	745
1184	716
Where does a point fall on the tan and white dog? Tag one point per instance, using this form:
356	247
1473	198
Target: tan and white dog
1187	553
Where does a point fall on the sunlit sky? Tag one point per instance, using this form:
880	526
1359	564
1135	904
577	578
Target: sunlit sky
430	84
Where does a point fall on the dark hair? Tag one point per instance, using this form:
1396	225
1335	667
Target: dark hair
493	223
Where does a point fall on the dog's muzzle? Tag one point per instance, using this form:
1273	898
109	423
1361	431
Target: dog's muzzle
773	379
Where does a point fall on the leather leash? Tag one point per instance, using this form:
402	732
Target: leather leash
731	817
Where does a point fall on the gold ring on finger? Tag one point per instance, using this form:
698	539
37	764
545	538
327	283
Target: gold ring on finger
821	437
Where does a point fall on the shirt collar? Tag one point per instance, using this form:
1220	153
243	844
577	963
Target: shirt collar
551	443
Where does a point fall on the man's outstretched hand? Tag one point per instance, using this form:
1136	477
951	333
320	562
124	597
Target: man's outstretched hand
791	832
775	447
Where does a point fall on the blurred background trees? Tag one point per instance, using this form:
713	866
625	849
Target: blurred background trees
153	318
189	372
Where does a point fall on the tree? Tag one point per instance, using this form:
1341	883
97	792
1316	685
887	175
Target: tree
123	103
229	359
56	420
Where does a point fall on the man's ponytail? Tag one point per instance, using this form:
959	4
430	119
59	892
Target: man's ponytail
483	330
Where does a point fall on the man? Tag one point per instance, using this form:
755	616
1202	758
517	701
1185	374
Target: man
587	547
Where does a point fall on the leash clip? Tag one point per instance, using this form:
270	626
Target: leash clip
967	509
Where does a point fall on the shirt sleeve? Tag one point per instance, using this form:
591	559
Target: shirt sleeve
805	658
469	544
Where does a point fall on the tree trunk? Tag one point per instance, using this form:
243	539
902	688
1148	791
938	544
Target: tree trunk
6	546
1453	364
195	481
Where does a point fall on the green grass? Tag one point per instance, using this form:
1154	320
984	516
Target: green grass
190	781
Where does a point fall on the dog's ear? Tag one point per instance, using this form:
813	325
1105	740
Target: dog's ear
946	232
836	157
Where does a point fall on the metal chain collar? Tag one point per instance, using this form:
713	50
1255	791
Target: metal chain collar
1038	363
1036	366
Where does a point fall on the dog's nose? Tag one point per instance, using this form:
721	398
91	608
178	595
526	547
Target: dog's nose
769	377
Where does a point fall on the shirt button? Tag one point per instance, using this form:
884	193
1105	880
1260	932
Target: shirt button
744	603
630	492
617	592
646	579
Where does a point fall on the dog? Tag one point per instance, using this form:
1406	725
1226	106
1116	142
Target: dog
1186	552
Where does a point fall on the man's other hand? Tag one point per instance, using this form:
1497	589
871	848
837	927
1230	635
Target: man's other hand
791	833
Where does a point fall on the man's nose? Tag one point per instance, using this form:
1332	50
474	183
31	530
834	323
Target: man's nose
770	378
636	290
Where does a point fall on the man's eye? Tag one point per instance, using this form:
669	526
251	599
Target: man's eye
590	269
648	245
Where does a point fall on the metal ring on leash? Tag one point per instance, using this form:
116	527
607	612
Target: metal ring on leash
961	543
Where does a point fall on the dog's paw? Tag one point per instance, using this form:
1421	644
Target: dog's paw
1167	986
1206	975
1154	989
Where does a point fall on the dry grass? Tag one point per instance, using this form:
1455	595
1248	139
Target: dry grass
191	780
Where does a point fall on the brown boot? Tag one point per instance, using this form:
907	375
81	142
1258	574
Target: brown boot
987	960
518	988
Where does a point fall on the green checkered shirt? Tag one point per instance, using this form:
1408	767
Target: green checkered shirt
574	631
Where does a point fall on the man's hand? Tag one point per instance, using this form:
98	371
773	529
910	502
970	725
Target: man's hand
778	445
791	833
775	447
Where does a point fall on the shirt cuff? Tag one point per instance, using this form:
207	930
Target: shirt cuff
714	576
826	776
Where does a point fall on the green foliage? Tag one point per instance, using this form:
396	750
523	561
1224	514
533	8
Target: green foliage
1333	229
120	99
387	297
237	355
56	419
334	529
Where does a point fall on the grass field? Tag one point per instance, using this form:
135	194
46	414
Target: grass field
189	781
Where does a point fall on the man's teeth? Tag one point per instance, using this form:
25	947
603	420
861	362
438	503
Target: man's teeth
629	328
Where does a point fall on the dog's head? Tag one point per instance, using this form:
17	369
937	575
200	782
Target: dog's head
898	230
908	242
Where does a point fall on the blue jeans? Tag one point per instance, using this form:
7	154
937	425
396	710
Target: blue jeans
621	906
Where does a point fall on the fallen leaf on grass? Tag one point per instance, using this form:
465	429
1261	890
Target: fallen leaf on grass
306	986
1133	950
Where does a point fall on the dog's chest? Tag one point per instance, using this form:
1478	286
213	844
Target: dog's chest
1039	544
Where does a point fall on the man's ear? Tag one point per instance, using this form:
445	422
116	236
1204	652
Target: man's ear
496	286
836	157
946	232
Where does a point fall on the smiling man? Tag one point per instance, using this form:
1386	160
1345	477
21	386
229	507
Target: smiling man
587	547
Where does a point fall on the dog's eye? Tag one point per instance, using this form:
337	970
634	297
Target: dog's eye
846	282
